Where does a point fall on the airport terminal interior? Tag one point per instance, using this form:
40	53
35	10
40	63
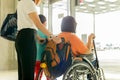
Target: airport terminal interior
100	17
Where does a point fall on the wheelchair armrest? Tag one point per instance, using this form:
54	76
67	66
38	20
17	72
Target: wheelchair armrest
82	55
89	62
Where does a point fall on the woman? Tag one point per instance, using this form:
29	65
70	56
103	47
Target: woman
28	23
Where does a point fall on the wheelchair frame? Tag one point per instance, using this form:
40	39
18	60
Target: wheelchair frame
82	70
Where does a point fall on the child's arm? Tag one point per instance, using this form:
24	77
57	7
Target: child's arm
40	40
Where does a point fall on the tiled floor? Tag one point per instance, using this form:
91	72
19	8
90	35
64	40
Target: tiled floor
12	75
8	75
109	61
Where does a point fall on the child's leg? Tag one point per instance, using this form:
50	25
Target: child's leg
37	68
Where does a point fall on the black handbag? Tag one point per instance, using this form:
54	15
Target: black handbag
9	27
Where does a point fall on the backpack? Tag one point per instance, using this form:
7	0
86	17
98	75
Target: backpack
58	58
9	27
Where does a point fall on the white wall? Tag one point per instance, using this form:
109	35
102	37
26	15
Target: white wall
7	49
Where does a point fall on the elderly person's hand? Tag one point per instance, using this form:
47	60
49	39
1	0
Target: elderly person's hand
91	36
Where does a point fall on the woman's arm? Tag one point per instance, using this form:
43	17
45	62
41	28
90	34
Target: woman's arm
35	18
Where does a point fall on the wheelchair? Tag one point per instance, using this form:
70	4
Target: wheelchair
87	69
83	67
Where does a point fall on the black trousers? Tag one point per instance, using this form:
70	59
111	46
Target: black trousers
25	45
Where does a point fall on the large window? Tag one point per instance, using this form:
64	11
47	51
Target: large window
107	29
84	23
59	11
105	25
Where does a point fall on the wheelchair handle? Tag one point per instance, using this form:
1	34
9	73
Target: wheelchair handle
96	54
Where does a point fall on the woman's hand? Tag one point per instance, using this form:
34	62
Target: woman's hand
56	39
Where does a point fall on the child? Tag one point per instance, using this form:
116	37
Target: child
40	47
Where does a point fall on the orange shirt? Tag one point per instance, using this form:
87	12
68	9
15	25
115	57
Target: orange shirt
76	44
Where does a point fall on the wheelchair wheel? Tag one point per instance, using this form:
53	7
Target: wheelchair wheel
80	71
101	74
41	76
40	73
